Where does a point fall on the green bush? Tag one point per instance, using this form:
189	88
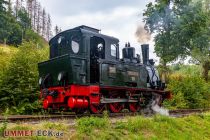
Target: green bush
30	35
19	89
188	92
190	70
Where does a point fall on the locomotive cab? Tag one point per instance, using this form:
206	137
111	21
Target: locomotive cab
101	48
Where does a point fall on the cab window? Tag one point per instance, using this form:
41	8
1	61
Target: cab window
61	41
75	45
114	50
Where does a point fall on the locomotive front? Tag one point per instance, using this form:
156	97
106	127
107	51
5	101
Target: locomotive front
85	72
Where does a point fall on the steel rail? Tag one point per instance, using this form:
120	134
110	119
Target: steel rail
172	113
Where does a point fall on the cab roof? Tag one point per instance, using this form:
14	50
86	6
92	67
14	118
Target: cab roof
88	31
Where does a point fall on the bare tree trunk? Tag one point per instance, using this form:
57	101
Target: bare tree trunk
34	14
29	8
39	12
43	23
17	7
206	68
5	42
49	26
10	7
164	70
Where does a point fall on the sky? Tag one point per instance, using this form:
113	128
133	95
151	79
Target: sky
118	18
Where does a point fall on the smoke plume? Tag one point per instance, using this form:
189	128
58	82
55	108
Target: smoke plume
142	35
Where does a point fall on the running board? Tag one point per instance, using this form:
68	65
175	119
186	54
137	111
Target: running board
109	100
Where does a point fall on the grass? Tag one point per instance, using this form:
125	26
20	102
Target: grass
158	127
194	127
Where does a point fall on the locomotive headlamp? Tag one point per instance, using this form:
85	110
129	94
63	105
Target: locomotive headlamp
40	80
60	76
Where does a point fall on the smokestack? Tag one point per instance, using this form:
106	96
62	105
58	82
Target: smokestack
145	53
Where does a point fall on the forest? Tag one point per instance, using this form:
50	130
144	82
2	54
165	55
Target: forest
181	30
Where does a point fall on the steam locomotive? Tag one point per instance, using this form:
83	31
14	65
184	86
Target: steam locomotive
85	72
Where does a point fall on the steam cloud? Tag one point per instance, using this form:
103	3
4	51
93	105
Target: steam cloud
160	110
156	108
142	35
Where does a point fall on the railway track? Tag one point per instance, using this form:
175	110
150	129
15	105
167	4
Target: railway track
18	118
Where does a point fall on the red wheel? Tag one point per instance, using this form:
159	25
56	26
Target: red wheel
116	107
134	107
94	108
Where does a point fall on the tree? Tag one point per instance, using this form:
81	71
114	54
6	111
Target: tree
34	16
24	19
43	22
29	8
38	21
181	29
2	6
160	19
193	32
4	22
49	26
56	29
17	7
9	9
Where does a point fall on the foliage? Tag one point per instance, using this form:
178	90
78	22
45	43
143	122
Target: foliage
2	5
15	32
35	38
15	29
188	92
190	70
181	29
10	30
54	126
19	90
6	52
3	126
160	19
193	33
23	19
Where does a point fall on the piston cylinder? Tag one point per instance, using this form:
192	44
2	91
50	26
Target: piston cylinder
77	103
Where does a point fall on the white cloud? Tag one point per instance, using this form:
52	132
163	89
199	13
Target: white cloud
120	20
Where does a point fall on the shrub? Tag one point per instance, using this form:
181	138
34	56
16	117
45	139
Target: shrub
188	92
19	88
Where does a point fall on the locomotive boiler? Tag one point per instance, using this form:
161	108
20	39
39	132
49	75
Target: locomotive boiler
85	72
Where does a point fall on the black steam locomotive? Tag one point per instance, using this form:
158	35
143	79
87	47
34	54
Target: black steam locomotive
85	72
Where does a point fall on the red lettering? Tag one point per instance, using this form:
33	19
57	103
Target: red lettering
31	133
6	133
20	133
26	133
13	133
